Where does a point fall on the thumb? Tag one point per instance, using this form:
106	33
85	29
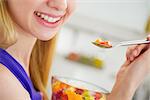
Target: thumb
148	37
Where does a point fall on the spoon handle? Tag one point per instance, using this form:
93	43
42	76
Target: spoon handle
134	42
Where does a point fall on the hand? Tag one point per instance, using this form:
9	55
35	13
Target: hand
132	72
134	51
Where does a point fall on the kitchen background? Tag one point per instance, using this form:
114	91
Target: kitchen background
114	20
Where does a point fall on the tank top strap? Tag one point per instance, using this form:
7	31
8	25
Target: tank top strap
14	66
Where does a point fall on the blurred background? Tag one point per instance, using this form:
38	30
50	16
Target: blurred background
113	20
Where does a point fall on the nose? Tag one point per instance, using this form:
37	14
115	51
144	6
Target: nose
60	5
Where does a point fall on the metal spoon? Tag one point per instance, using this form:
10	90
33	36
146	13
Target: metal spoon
124	43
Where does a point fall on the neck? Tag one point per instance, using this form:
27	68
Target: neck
22	49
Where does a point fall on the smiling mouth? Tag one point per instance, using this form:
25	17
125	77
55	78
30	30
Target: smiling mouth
47	18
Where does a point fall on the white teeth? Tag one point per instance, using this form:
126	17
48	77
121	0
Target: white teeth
50	19
38	14
54	20
42	16
47	18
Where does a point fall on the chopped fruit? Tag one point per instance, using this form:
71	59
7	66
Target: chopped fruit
103	44
64	97
98	40
57	87
98	96
73	96
68	92
63	86
79	91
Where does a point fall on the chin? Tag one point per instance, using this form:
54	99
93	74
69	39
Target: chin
46	37
45	34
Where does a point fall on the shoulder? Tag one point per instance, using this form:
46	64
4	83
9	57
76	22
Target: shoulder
10	87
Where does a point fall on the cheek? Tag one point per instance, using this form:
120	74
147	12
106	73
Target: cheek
71	6
22	17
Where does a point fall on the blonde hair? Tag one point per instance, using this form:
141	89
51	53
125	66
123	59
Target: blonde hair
6	27
41	56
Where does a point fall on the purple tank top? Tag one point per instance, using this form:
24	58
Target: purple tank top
10	63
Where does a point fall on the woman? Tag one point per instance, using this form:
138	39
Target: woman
24	26
27	39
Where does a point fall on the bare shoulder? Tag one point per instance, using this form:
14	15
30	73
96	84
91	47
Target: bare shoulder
10	87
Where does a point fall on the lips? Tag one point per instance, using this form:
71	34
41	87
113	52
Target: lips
48	19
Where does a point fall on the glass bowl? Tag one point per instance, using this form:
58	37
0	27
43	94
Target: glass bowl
81	84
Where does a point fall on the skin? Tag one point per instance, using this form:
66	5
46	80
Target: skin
132	72
129	77
29	30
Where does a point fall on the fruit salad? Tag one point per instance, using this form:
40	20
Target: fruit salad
101	43
63	91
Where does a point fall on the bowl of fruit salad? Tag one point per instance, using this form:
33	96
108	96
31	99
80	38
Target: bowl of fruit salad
65	88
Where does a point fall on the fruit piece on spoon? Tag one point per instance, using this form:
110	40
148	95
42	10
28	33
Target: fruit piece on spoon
103	44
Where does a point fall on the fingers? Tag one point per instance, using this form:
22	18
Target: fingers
148	38
136	50
140	49
129	51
